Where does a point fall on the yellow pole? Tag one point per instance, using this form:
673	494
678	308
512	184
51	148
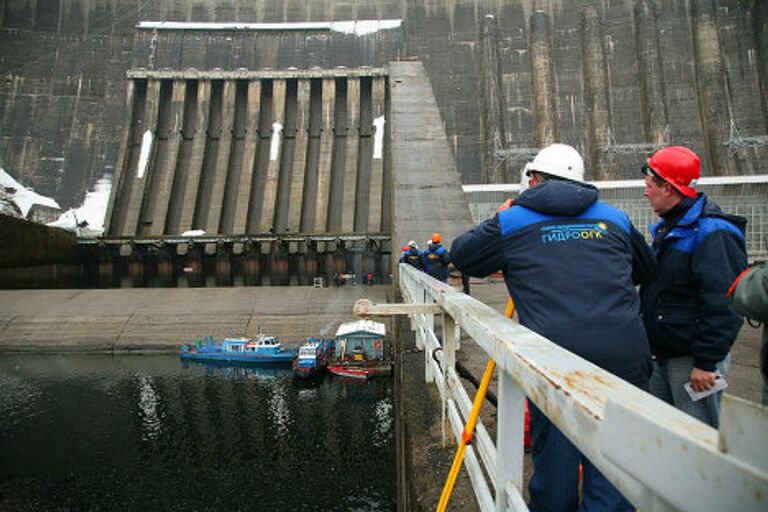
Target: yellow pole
469	428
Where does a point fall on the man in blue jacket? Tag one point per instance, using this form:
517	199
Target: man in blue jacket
700	249
436	258
412	255
571	264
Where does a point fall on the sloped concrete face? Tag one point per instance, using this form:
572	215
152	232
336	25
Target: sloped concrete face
427	195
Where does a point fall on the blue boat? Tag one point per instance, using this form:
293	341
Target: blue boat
262	350
312	360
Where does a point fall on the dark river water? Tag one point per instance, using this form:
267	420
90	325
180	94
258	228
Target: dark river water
138	432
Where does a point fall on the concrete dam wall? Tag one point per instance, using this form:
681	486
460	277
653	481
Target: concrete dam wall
615	79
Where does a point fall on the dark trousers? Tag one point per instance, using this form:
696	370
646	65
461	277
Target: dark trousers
554	486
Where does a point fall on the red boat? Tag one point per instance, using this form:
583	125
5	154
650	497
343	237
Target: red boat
352	372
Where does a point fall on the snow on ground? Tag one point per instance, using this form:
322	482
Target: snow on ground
93	210
23	197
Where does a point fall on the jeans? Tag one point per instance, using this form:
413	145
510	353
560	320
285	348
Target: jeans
554	486
667	381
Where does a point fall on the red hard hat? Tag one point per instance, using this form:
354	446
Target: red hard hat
405	248
678	166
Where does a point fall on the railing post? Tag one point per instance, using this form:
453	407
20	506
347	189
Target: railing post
450	330
510	446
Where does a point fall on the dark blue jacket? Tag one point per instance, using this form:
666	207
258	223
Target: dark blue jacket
412	257
685	310
570	264
436	260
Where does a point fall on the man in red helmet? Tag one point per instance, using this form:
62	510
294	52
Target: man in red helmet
699	249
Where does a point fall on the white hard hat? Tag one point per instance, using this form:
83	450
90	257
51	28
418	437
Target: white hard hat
412	243
558	160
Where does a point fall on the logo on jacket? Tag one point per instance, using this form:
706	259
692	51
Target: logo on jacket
568	232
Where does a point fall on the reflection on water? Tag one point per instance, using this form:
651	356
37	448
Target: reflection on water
148	433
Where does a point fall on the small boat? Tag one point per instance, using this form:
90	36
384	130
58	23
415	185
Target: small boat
351	371
262	350
312	359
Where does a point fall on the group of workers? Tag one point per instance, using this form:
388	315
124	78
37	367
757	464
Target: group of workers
573	265
434	260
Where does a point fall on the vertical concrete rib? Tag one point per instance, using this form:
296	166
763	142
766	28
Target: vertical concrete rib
249	164
652	95
168	138
288	146
600	163
187	137
378	98
326	155
234	169
386	189
208	169
222	160
135	105
493	133
145	165
542	76
261	161
339	157
350	164
364	154
196	156
296	196
267	222
312	167
760	35
714	105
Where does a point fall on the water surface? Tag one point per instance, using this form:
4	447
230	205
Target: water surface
99	432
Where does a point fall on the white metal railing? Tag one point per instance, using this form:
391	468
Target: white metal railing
658	457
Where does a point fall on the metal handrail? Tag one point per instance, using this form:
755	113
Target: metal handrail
657	456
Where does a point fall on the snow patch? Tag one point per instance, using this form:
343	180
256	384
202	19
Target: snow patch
274	145
358	28
378	137
24	197
146	148
92	211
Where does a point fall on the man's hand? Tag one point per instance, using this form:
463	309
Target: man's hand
702	380
506	204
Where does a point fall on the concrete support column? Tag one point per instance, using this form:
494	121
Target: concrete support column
300	156
542	75
652	95
112	217
326	156
350	173
599	163
222	161
714	104
145	164
270	182
492	105
243	190
170	136
760	36
378	99
196	156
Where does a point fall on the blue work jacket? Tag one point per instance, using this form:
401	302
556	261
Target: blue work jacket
436	260
412	257
570	264
685	308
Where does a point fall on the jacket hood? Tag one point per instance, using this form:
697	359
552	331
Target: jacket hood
559	198
705	208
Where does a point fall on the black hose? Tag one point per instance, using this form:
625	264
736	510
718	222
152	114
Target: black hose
463	372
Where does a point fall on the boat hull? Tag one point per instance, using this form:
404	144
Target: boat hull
359	371
239	358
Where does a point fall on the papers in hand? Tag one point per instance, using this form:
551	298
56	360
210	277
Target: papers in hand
720	384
